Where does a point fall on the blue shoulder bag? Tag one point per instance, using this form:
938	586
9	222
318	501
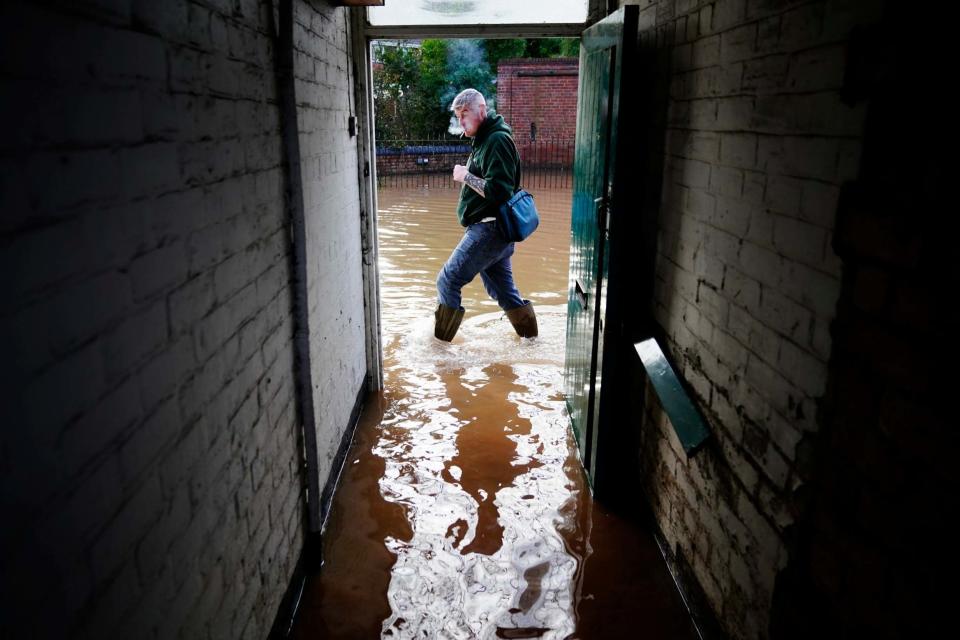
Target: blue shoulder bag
518	216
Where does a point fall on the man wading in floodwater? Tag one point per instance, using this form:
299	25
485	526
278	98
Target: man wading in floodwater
489	179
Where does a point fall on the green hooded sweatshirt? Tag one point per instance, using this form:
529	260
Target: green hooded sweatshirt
494	158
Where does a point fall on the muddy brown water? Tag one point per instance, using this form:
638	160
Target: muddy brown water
463	510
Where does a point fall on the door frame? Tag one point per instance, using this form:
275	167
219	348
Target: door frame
361	35
623	239
612	240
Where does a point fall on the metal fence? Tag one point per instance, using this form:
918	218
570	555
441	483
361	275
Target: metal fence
547	162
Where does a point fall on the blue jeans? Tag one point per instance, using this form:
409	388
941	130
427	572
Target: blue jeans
482	250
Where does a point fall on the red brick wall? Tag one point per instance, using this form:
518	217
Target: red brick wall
540	91
388	165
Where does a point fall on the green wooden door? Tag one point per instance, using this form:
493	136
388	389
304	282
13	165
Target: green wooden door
601	66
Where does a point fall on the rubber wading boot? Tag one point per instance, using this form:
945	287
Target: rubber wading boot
524	320
446	322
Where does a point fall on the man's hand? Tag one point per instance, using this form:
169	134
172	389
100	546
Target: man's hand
460	174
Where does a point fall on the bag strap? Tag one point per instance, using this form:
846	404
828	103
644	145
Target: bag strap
519	165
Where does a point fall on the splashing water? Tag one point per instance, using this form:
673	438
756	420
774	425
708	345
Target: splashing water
475	441
463	511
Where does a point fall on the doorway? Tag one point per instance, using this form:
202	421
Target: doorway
464	510
594	208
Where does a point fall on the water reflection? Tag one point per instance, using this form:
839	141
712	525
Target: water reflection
474	440
477	456
463	511
418	229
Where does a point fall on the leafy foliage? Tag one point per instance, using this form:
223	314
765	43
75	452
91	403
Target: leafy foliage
414	86
401	98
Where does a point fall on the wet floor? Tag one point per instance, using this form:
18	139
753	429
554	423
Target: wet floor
463	511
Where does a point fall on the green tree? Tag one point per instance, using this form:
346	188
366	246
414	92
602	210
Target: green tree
433	84
396	77
500	49
467	67
570	47
414	86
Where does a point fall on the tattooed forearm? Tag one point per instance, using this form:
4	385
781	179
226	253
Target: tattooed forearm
475	182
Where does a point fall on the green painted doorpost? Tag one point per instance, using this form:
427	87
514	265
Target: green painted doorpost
601	68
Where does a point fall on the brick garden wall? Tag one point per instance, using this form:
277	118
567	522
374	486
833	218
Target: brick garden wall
756	145
153	482
541	91
388	165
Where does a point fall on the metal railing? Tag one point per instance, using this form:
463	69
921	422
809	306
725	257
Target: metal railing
547	162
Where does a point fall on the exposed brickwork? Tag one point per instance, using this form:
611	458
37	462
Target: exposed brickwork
540	93
880	496
151	460
324	87
757	147
389	165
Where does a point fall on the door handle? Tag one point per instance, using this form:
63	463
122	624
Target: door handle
581	294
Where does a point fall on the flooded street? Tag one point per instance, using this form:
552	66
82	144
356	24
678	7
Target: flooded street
463	511
418	230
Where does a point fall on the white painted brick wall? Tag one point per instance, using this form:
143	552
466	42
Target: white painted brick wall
332	211
151	461
757	146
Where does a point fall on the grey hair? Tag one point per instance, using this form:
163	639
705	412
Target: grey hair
468	99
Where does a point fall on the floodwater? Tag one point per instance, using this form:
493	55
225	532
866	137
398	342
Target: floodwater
463	511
